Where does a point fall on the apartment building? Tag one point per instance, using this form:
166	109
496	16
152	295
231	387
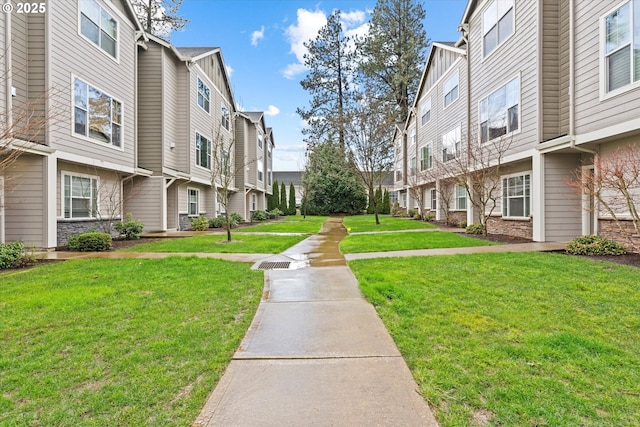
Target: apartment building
116	121
254	163
79	74
557	82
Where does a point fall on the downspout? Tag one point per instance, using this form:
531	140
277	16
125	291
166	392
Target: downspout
8	70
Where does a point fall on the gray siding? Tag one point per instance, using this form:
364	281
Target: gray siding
146	205
241	129
75	56
150	101
175	112
592	113
25	192
517	56
562	205
3	59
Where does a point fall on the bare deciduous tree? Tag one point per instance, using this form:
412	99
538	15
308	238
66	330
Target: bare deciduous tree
615	186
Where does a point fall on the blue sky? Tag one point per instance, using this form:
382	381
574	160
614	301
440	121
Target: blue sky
261	42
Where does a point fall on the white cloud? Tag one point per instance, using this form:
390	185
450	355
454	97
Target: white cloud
272	111
352	18
292	148
229	70
256	36
306	28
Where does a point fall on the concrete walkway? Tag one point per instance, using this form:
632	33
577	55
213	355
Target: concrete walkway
316	354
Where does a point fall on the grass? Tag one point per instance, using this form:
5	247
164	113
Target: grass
406	241
515	338
362	223
289	224
119	342
247	243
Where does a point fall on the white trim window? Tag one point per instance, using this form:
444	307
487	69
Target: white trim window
516	195
193	202
412	166
451	144
226	117
622	46
426	158
425	112
96	115
451	89
225	162
99	27
498	22
204	95
260	139
412	137
260	171
203	151
461	197
254	202
499	113
434	199
79	196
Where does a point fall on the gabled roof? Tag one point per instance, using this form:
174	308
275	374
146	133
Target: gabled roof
468	11
196	53
136	22
254	116
270	135
288	177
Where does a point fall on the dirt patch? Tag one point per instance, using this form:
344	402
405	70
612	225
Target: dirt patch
481	417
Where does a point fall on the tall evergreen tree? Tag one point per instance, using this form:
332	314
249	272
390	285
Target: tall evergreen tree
283	198
386	202
394	51
292	199
330	60
379	198
275	197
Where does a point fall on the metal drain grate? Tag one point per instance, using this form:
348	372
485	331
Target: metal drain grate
271	265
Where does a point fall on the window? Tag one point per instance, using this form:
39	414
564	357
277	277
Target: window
622	46
426	159
497	24
516	195
499	112
425	112
412	166
451	145
97	25
203	151
398	174
204	95
254	202
193	202
96	115
269	177
451	90
260	139
434	199
412	137
226	117
80	196
260	172
225	164
461	197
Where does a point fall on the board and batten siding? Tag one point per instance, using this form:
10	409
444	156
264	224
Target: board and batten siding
516	56
75	56
241	129
24	198
562	206
36	69
591	112
150	105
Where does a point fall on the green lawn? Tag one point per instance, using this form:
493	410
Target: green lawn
240	243
289	224
406	241
523	339
119	342
360	223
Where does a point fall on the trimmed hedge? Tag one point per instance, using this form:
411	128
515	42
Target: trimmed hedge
91	241
474	229
10	254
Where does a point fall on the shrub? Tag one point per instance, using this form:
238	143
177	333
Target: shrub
10	254
462	224
200	223
594	245
394	209
429	217
411	213
90	241
130	228
217	222
259	216
474	229
274	213
417	215
236	218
